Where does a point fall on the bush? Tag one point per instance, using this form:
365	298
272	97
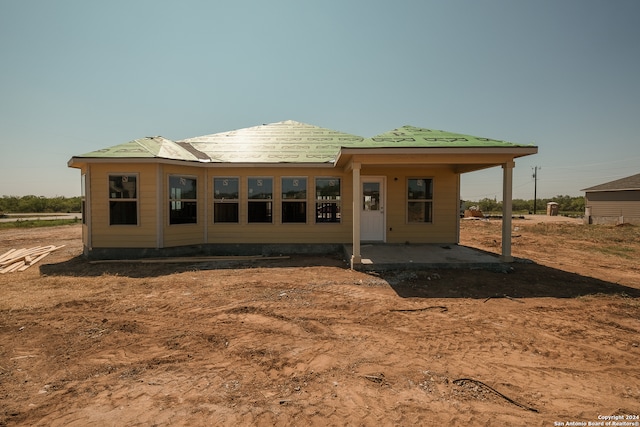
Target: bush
567	205
39	204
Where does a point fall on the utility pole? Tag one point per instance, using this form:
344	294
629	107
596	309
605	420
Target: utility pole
535	187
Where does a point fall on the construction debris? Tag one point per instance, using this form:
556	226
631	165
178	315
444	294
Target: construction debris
473	212
21	259
463	381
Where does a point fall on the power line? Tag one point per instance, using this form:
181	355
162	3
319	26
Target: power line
535	187
595	164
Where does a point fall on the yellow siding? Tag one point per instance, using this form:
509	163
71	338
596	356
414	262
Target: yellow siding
277	232
244	232
105	235
443	229
183	234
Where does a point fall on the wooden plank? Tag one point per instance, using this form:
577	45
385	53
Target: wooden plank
38	258
14	256
29	264
26	263
41	250
24	267
21	259
18	254
32	252
16	266
12	267
11	260
6	254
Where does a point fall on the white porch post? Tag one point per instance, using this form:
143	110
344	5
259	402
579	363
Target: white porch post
507	204
356	257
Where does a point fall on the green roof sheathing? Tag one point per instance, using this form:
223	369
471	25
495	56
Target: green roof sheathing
410	136
286	142
283	142
149	147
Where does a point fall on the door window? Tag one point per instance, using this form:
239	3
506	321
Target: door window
371	196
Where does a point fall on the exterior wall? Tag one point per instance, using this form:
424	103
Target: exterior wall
86	198
612	207
153	230
277	231
142	235
444	228
183	234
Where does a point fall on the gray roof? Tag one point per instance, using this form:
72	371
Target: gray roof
628	183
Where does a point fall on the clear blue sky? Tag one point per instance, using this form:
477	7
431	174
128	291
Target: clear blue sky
76	76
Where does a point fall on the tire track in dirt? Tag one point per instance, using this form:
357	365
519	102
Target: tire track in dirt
312	345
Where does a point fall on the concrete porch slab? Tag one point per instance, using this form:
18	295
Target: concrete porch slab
380	256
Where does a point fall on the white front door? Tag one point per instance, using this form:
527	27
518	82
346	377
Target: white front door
372	209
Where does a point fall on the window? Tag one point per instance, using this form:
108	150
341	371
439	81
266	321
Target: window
294	200
183	205
370	196
420	200
83	197
327	199
123	200
226	199
260	203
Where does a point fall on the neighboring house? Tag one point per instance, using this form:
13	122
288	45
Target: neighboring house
614	202
283	187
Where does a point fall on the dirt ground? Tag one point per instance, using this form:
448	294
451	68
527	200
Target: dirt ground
306	341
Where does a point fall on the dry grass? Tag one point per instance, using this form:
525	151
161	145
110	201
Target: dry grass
592	233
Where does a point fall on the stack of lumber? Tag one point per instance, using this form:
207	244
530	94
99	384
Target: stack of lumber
21	259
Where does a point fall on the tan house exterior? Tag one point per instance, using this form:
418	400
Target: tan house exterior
615	202
285	187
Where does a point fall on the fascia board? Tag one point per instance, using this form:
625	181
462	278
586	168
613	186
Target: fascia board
77	162
346	152
609	190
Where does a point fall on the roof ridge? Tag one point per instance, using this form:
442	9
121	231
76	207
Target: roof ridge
265	126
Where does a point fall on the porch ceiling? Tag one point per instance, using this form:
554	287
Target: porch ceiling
462	160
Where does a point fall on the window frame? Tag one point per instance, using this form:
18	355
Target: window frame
83	198
182	199
260	200
217	200
112	199
337	201
291	201
425	200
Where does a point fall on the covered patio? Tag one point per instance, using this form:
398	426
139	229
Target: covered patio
423	148
383	257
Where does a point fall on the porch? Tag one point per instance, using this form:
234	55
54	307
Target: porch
380	256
